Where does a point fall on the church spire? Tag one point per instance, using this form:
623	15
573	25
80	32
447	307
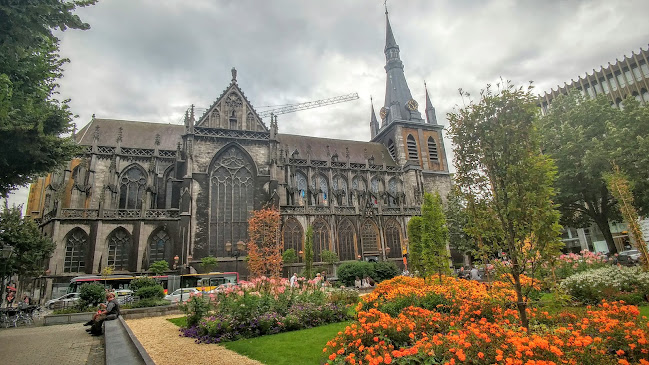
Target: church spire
430	109
399	104
374	124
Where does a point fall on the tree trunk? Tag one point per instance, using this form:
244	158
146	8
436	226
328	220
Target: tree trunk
520	303
602	224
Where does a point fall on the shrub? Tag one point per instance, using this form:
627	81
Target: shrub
607	283
92	294
195	309
289	256
151	292
209	263
159	267
385	270
348	271
138	283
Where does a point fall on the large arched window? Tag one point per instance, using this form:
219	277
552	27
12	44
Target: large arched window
300	180
158	243
432	150
320	239
132	184
75	251
393	238
412	148
232	195
394	188
370	237
339	185
292	235
119	245
346	241
323	185
358	183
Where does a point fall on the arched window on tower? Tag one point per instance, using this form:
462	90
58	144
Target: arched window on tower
75	251
347	249
320	239
392	149
293	236
119	245
432	150
132	184
412	148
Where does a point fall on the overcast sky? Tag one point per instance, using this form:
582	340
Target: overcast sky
148	60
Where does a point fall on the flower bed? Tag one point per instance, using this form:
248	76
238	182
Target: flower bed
264	306
609	283
464	321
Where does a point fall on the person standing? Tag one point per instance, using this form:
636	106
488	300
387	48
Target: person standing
475	274
294	280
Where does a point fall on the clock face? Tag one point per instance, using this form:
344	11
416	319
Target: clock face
412	105
384	113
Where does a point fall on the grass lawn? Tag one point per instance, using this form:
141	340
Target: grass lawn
180	321
296	347
644	310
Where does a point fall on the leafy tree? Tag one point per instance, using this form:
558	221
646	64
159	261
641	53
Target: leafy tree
308	253
414	238
29	68
139	283
349	271
159	267
91	294
385	270
434	236
264	248
30	248
289	256
330	258
151	292
456	220
508	181
209	263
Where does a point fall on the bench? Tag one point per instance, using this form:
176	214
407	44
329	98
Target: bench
121	346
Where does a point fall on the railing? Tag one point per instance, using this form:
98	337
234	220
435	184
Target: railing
345	210
318	163
79	213
228	133
112	214
339	164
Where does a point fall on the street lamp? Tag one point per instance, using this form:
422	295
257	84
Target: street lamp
235	252
387	253
6	255
359	257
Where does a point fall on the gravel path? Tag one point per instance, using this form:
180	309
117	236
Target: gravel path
161	340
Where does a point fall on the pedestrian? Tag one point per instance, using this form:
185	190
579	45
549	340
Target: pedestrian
475	274
109	313
324	278
358	283
294	280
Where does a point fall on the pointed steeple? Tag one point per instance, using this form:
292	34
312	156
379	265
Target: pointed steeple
374	123
399	104
430	109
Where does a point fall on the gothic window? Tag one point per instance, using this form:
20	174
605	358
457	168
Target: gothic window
323	186
250	121
231	199
132	184
412	148
393	238
56	179
158	244
432	150
370	237
169	193
358	183
75	251
376	185
394	187
320	239
392	149
233	101
300	179
215	117
346	241
292	235
339	185
233	121
119	245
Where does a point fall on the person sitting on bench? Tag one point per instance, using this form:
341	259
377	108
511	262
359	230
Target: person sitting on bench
111	312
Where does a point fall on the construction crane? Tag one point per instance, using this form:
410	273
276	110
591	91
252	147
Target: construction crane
290	108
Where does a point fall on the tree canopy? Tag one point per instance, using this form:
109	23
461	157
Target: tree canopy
30	65
264	247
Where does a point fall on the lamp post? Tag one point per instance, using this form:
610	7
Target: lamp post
235	252
6	255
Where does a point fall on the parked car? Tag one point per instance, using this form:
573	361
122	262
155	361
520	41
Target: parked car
175	297
124	295
221	288
628	258
64	301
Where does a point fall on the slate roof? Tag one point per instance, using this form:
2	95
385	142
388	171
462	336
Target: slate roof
319	145
134	134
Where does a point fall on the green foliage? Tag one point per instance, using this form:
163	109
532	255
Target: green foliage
138	283
308	253
30	247
92	294
209	264
329	257
151	292
29	69
195	309
434	236
349	271
385	270
456	220
289	256
608	283
415	250
159	267
145	303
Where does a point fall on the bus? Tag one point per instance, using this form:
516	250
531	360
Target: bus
209	281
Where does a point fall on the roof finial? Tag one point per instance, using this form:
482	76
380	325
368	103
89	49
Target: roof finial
234	75
385	3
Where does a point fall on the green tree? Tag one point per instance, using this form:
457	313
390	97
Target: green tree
456	221
501	170
30	248
159	267
91	294
434	236
330	258
209	263
289	256
414	244
308	253
29	69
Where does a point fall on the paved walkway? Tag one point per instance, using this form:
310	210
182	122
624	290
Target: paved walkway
56	345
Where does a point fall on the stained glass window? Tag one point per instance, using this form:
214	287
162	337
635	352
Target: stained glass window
119	244
301	187
75	251
358	183
320	239
292	235
157	246
346	241
132	184
393	238
232	199
369	237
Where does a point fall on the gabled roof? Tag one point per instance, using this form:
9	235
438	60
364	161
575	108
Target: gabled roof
359	152
134	134
232	87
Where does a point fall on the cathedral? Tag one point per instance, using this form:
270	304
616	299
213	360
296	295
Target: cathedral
142	192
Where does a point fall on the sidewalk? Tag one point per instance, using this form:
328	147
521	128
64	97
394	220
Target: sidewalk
56	345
